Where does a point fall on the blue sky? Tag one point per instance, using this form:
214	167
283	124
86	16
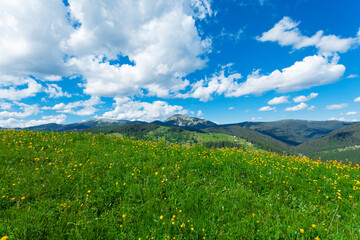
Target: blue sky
225	61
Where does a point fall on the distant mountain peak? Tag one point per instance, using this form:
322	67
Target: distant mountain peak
101	120
187	121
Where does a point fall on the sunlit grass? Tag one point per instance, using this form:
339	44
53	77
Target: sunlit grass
84	186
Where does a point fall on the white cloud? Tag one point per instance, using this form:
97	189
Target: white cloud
27	110
125	108
351	113
20	123
162	42
218	84
231	108
311	71
312	108
279	100
343	119
298	107
55	91
5	105
303	98
267	108
336	106
352	76
30	35
286	33
80	108
201	8
159	38
12	93
199	113
357	99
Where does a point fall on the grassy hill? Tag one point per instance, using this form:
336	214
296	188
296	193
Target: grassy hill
295	132
177	135
263	141
86	186
338	145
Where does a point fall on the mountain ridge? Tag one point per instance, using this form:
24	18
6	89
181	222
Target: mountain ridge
290	135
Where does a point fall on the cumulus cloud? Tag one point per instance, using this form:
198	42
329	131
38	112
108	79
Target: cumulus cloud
92	39
267	108
218	84
30	35
80	108
5	105
357	99
350	113
201	8
312	108
126	108
311	71
27	110
303	98
298	107
199	113
13	93
20	123
162	44
286	33
279	100
336	106
352	76
55	91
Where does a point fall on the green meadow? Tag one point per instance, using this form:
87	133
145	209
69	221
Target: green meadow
92	186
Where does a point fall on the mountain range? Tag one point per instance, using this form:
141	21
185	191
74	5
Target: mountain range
324	139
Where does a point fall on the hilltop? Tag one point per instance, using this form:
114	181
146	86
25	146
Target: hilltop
188	122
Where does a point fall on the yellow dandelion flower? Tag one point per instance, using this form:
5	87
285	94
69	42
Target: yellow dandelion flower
302	230
89	191
317	238
4	238
22	198
161	217
313	225
124	215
